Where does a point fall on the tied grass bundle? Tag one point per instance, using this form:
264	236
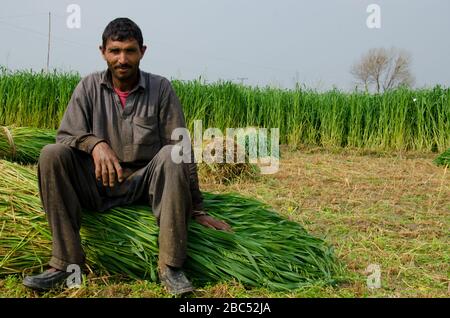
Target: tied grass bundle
215	166
264	250
443	159
24	144
226	173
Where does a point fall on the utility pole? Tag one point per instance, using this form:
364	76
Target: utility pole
49	34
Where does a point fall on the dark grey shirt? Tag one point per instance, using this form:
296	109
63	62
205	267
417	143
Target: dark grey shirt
137	132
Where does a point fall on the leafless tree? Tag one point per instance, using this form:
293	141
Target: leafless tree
384	69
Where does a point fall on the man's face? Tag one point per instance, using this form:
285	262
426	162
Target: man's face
123	58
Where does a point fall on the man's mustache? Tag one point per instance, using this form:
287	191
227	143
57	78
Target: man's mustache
125	66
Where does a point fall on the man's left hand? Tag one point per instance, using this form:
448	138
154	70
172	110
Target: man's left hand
209	221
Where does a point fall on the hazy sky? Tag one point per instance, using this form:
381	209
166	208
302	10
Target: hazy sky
265	42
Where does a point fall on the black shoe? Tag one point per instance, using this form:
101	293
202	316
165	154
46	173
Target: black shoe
175	281
47	280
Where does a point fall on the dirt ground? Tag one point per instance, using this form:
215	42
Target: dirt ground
391	210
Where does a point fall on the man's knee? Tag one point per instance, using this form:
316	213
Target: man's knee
54	154
166	160
165	153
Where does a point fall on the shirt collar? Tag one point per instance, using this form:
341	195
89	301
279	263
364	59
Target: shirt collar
107	81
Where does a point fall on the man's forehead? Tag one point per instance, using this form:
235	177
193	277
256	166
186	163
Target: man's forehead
122	44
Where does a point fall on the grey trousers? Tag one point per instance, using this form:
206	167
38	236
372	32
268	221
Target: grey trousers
67	184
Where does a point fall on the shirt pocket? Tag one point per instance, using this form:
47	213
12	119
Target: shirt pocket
145	130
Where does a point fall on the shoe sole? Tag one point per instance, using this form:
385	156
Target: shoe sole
180	292
40	288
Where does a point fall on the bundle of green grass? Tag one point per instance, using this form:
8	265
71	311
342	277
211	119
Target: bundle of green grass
23	144
222	172
443	159
264	249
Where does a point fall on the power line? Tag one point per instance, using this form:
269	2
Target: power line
57	38
196	53
22	16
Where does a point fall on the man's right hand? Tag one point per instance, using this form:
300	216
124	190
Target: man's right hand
107	166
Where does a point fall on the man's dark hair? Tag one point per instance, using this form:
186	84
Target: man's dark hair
122	29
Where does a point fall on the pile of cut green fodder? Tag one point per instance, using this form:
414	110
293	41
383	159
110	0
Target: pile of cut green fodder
264	249
23	144
443	159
